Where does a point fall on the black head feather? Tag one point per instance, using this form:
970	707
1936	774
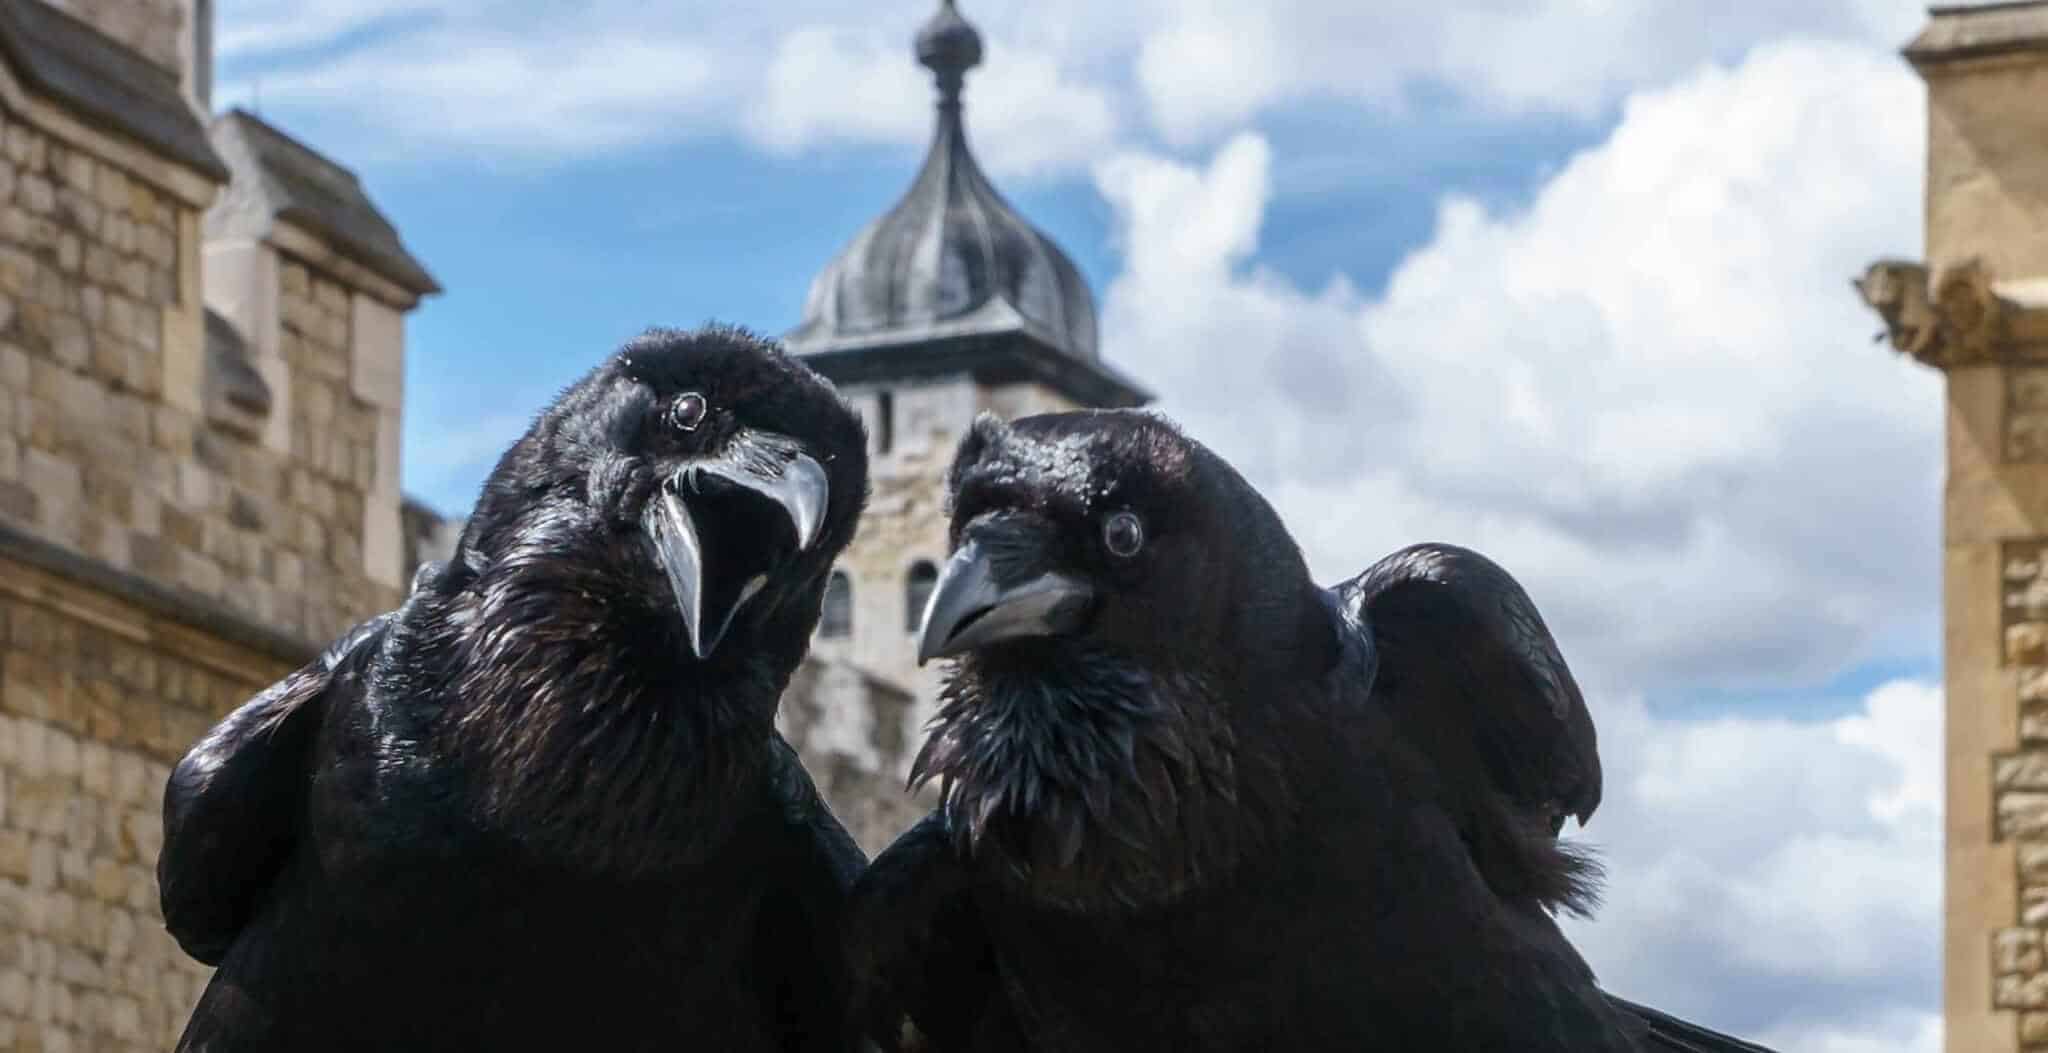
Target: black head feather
569	696
1124	758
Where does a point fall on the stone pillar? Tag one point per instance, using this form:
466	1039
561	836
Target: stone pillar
310	284
377	379
1977	310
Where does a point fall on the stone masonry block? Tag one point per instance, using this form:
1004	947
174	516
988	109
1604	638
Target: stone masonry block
2026	643
2026	436
2024	771
2023	815
2016	950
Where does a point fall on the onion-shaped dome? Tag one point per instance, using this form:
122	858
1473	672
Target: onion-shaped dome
952	258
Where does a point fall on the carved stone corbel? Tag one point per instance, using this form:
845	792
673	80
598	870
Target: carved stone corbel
1946	319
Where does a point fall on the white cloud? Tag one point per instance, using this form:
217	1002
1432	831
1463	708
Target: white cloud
1061	81
1637	391
826	86
1778	879
259	27
1651	395
1558	56
515	80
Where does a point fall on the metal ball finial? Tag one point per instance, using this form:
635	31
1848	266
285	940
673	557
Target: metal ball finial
949	46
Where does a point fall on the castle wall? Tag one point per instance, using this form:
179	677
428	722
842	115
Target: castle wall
98	698
105	446
164	554
906	523
1978	311
853	732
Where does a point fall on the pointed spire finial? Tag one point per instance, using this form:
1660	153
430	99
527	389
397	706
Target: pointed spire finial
949	46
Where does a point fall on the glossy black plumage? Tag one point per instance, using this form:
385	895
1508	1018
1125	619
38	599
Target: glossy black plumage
1191	801
519	812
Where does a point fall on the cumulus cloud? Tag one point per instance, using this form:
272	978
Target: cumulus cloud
1555	56
1064	78
518	81
1650	391
1652	396
1775	878
826	86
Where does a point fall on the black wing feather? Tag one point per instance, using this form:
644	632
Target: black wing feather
921	968
232	805
1668	1034
796	945
1476	683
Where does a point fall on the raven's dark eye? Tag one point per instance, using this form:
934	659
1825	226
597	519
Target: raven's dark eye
1123	535
688	411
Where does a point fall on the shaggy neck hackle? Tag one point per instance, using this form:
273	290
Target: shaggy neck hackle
579	723
1086	781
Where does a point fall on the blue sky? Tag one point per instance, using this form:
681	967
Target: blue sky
550	264
1564	282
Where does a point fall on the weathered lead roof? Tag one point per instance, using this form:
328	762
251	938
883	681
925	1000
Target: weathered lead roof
951	258
104	81
277	177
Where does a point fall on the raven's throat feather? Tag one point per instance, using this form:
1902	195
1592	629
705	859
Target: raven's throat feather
1090	782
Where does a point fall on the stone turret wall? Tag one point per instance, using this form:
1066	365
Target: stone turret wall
98	698
905	524
1977	310
104	445
189	505
850	729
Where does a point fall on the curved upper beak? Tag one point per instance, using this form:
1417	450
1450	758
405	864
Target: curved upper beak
987	594
756	466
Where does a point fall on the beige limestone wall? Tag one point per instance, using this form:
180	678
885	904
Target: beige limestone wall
1987	210
1023	400
334	447
97	700
1996	659
853	732
1987	171
102	446
377	381
240	283
906	523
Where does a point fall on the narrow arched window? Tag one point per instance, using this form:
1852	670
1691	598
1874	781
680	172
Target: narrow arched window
885	422
917	589
837	618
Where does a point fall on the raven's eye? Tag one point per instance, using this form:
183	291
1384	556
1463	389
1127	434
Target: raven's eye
688	411
1123	535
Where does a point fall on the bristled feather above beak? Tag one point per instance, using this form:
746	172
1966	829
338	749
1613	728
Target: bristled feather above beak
758	476
999	586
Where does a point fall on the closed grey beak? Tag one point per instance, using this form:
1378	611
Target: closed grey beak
756	465
969	608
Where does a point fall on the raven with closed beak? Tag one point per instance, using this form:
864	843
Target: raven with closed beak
1189	800
542	805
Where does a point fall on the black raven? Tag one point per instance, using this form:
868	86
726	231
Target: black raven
542	805
1191	801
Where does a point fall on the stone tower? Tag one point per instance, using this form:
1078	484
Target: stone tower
949	304
1977	309
201	340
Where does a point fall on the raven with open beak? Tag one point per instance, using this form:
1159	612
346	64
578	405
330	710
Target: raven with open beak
543	805
756	475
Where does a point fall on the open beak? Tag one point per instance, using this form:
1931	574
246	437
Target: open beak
722	524
990	590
